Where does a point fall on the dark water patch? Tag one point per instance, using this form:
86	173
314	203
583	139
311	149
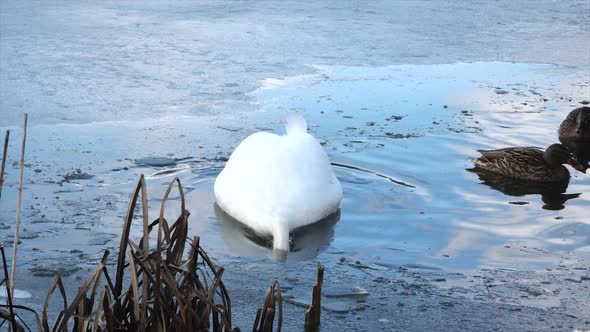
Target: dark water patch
77	175
185	160
552	194
395	117
422	267
168	172
402	136
155	161
60	270
231	129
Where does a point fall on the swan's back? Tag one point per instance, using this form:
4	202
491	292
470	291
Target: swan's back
270	179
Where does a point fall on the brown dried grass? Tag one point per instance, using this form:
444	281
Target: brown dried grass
153	290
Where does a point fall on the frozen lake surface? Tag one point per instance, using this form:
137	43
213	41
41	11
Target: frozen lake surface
400	94
80	62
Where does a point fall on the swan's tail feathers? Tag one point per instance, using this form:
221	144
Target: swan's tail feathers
280	236
296	124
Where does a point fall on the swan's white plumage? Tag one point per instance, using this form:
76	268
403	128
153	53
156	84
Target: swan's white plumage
275	184
296	124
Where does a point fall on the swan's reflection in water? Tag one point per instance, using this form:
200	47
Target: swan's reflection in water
306	242
580	150
552	194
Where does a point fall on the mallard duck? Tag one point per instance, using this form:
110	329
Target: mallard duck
275	184
576	126
529	163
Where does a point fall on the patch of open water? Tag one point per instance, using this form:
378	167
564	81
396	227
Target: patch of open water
419	125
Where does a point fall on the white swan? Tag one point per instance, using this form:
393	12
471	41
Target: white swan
275	184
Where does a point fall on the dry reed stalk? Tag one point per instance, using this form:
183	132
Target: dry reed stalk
5	282
7	136
14	320
265	316
312	315
146	250
18	207
172	296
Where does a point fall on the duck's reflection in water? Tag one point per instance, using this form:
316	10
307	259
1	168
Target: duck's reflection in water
552	193
306	243
580	150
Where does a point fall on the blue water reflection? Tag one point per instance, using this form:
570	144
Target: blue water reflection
419	125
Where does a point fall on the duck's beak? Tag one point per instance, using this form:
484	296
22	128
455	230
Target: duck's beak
577	165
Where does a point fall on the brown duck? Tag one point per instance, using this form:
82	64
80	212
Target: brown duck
576	126
529	163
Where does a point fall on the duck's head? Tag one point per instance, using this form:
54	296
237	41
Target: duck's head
557	154
583	122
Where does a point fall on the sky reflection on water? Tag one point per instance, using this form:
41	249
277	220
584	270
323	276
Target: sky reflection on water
420	124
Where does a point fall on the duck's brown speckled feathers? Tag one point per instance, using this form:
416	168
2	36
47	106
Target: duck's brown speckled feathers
576	125
525	163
